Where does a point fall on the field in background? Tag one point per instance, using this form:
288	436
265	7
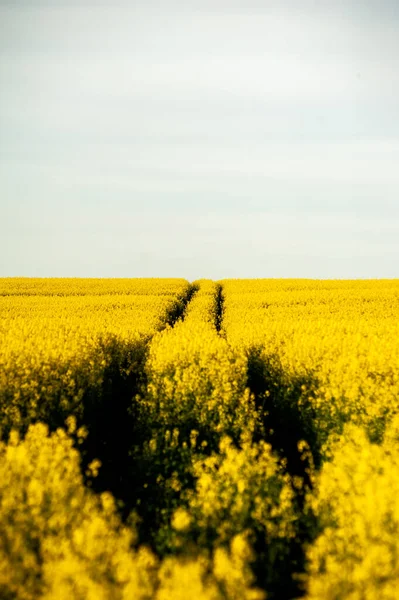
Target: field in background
164	439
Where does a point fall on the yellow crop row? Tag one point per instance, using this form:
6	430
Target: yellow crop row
340	338
337	344
69	286
55	347
57	538
356	502
192	372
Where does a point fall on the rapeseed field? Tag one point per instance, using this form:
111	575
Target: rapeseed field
166	440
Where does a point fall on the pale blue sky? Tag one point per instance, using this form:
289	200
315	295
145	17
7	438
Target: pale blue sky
199	139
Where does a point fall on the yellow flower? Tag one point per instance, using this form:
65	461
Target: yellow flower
181	520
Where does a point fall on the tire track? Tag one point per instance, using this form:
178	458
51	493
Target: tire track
284	423
111	416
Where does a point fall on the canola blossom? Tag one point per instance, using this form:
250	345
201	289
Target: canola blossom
57	538
214	440
340	338
55	347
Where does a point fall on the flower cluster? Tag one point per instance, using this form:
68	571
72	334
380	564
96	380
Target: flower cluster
356	501
57	538
339	337
58	337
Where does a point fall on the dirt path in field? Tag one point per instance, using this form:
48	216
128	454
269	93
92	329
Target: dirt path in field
110	417
283	425
219	307
179	309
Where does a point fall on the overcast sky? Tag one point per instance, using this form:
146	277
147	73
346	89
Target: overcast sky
254	139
